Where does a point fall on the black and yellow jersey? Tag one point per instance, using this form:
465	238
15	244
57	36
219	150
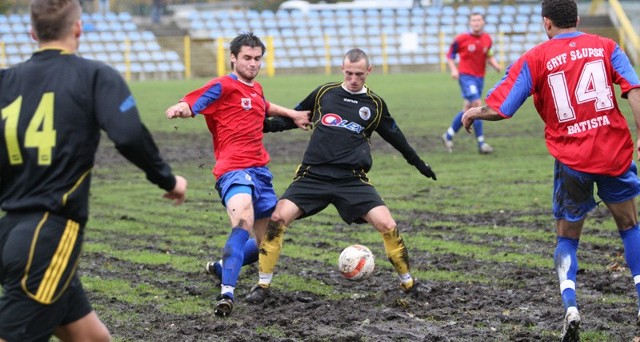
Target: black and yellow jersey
342	126
54	106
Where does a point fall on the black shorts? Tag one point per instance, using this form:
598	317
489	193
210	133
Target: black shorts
353	197
38	260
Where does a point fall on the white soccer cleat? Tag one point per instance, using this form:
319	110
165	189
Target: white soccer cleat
485	149
448	143
571	327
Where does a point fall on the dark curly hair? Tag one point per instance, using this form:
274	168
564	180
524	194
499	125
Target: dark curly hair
563	13
245	39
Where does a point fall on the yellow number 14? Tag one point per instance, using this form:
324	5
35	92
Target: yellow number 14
40	133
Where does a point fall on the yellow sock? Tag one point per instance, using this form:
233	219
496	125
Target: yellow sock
396	251
270	248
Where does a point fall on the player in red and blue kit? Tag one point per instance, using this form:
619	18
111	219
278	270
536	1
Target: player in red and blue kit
571	77
474	49
234	109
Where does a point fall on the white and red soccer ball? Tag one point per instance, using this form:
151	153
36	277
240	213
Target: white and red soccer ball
356	262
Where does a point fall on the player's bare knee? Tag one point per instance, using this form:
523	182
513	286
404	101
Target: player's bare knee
388	226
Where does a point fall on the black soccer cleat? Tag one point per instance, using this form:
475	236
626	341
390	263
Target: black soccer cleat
215	269
258	294
224	306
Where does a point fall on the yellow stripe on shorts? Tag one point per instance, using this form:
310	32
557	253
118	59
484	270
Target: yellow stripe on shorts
59	263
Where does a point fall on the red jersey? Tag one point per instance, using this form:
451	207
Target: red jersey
234	112
571	78
473	50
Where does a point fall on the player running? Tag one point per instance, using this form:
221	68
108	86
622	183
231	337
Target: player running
571	77
474	49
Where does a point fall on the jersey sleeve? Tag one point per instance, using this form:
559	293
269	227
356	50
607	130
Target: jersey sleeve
624	75
118	116
200	100
308	103
391	133
512	90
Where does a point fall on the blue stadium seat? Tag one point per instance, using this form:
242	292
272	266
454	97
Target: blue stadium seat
11	49
479	9
14	59
172	56
463	10
9	38
116	57
527	9
129	26
177	66
124	17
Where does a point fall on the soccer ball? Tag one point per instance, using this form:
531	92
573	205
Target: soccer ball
356	262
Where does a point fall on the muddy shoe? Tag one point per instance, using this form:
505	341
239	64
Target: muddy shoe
571	327
416	289
215	269
224	306
258	294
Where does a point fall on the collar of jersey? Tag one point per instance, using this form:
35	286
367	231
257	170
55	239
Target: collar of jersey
232	75
568	34
362	91
61	50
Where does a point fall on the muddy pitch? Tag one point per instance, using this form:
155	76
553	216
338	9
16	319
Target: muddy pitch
522	304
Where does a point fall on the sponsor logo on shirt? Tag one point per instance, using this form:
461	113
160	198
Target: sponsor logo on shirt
246	103
337	121
349	100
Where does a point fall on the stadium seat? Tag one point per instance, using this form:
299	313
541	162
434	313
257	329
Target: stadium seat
177	67
124	17
11	49
463	11
14	59
129	26
116	57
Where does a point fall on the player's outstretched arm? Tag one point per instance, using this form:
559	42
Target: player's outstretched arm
179	110
179	192
479	113
492	61
391	133
300	117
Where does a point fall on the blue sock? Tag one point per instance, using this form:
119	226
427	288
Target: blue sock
251	253
477	129
631	242
456	124
566	264
233	255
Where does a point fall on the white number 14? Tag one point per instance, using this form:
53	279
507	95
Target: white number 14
592	86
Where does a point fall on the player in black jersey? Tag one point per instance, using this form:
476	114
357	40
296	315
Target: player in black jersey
335	165
53	107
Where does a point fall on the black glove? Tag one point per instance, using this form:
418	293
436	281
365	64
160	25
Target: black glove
425	169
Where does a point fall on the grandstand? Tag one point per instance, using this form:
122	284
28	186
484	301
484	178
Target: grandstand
112	38
395	37
304	39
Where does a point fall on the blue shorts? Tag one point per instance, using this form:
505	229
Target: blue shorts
471	87
573	190
259	180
